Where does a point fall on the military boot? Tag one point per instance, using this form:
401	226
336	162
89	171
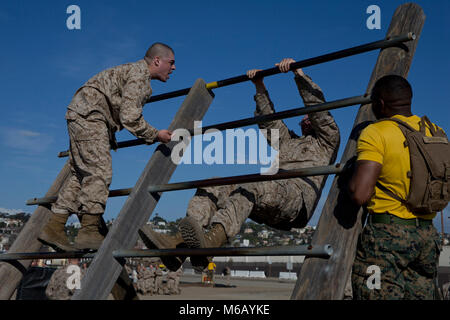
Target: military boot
53	233
156	240
195	237
89	236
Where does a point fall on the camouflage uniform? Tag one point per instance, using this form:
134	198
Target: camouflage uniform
171	276
148	280
139	285
57	287
173	280
142	275
158	281
179	273
282	204
108	102
406	257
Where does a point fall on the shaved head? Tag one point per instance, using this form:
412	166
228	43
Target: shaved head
392	89
391	95
160	59
158	49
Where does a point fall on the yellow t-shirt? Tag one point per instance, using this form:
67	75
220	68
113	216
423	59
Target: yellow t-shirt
382	142
211	266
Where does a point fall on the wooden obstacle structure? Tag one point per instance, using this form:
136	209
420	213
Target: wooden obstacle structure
340	222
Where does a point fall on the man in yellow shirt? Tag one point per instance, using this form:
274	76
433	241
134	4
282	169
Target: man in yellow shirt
398	251
211	270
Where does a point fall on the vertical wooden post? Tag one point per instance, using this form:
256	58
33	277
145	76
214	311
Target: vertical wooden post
105	269
341	222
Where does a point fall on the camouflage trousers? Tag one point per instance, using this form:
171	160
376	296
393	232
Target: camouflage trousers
146	285
159	289
87	188
407	257
279	204
173	283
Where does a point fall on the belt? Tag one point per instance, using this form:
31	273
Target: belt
387	218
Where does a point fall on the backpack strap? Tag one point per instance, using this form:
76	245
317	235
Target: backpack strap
424	121
404	124
435	130
390	193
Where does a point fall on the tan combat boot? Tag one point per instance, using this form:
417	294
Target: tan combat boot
195	237
53	233
89	236
156	240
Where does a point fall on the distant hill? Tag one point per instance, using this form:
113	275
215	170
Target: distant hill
23	216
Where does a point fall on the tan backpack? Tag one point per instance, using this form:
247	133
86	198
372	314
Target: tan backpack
429	190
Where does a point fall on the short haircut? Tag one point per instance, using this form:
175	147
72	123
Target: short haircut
158	49
392	88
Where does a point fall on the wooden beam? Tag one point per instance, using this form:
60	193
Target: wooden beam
10	275
341	222
105	269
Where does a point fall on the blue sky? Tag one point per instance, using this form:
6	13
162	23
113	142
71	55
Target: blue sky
43	63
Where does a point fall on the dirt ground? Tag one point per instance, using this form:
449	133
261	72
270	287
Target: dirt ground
236	289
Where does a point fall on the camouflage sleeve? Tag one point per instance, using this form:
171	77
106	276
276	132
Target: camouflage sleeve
309	91
265	106
323	123
133	98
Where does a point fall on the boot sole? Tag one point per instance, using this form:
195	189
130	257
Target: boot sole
147	236
57	247
193	236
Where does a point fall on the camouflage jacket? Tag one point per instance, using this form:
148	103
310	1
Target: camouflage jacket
317	149
126	88
146	274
